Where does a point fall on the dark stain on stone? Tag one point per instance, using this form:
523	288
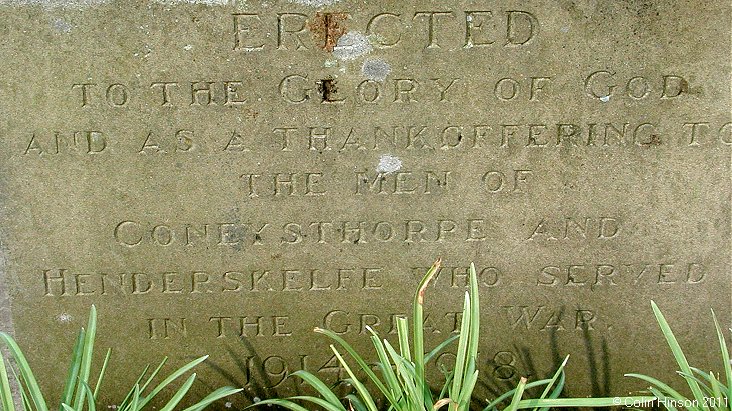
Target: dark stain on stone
654	141
327	28
327	89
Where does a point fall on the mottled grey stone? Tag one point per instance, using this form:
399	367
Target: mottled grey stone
220	177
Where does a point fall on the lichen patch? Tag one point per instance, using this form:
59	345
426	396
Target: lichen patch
389	164
351	46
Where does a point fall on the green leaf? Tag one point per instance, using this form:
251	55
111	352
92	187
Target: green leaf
560	371
101	373
359	360
86	358
91	404
708	378
678	354
34	392
178	396
725	357
362	391
660	385
467	391
213	397
418	334
128	397
319	386
356	403
706	390
281	403
440	347
6	395
716	393
507	394
135	405
446	385
23	393
667	401
386	370
153	375
402	325
460	359
413	398
320	402
558	389
172	377
585	402
474	333
74	367
517	395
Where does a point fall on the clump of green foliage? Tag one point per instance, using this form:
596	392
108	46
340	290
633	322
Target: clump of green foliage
78	393
708	392
403	382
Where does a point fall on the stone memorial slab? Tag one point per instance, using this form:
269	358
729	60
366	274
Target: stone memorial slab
220	177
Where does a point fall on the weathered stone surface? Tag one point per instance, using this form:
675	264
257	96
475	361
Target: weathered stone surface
202	170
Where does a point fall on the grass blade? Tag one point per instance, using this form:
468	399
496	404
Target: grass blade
356	383
459	369
389	376
517	395
704	387
678	354
135	405
74	367
86	358
440	347
128	397
91	403
725	357
282	403
646	401
560	371
407	375
446	386
418	334
558	389
403	335
6	395
153	375
662	386
355	403
319	386
101	374
172	377
29	380
667	402
708	378
320	402
23	394
359	360
474	329
213	397
467	391
717	400
507	394
178	396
